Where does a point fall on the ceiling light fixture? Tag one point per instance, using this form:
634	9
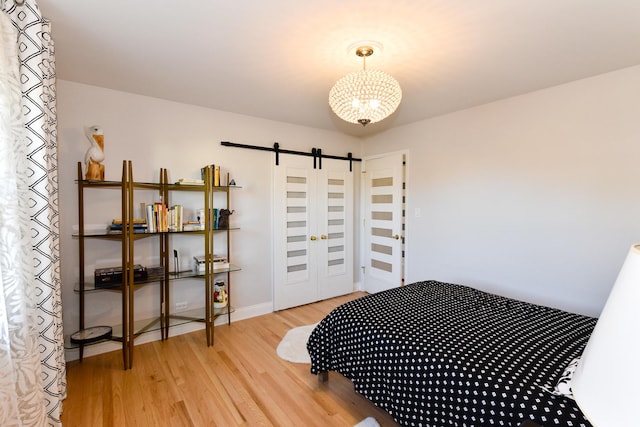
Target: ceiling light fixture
365	96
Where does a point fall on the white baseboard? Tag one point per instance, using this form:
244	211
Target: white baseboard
251	311
107	346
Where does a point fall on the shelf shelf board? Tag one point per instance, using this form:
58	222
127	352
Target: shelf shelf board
196	315
143	326
199	187
110	235
91	287
230	269
186	274
153	185
99	184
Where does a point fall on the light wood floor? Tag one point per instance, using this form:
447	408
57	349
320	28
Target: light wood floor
240	381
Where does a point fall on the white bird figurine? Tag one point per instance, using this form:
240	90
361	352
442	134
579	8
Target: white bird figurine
95	154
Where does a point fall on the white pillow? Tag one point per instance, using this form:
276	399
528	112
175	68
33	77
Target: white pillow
563	387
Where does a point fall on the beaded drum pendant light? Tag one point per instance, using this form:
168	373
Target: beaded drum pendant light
365	96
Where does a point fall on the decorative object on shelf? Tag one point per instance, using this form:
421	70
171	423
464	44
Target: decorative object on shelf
93	334
200	218
223	218
605	383
220	296
176	261
232	183
94	156
365	96
219	264
198	264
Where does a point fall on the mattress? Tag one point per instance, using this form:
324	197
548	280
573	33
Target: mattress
439	354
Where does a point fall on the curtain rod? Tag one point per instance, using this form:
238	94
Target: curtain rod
316	153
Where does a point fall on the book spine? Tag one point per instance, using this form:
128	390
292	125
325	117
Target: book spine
151	225
175	218
216	175
171	220
165	223
156	217
160	215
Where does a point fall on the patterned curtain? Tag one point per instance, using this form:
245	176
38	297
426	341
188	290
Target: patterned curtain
32	366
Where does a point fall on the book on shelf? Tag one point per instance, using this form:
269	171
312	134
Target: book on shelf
137	221
157	217
203	171
117	228
174	219
186	181
216	172
191	226
216	175
139	226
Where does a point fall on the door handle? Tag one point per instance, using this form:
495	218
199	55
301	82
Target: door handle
323	237
313	237
396	236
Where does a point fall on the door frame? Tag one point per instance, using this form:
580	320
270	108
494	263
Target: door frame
361	217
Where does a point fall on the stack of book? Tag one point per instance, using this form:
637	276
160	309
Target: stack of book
139	226
161	219
174	219
187	181
157	217
191	226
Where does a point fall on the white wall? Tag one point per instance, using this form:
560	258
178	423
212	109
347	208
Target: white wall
531	197
154	133
534	197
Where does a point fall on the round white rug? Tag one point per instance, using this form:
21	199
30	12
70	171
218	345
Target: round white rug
293	346
368	422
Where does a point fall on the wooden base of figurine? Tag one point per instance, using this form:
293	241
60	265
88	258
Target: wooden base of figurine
95	171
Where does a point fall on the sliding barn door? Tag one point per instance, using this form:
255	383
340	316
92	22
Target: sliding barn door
313	230
335	226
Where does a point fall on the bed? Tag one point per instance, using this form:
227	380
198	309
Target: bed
439	354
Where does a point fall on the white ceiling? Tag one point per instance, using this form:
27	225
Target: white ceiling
277	59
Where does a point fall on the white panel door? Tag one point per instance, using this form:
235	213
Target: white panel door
383	222
335	227
313	230
295	267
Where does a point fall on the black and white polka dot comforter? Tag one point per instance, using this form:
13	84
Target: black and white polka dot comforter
437	354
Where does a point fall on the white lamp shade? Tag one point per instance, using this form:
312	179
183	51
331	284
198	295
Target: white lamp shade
606	383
